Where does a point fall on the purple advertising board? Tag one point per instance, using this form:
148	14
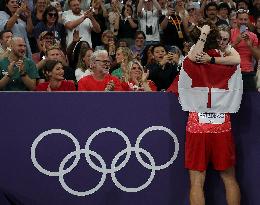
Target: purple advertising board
111	148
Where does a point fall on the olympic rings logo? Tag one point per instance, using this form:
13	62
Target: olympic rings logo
104	169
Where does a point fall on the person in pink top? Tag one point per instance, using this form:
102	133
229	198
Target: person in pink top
100	80
245	42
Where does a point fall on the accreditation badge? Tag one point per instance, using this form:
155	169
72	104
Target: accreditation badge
211	118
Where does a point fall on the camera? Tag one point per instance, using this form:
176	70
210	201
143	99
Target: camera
149	30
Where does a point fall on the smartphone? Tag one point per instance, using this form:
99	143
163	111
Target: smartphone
243	28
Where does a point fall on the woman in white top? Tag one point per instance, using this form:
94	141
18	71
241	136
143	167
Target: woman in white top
83	67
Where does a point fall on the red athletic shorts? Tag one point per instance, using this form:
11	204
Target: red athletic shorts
216	148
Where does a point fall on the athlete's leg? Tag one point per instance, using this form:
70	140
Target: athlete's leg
231	186
197	179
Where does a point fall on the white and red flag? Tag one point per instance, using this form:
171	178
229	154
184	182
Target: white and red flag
210	88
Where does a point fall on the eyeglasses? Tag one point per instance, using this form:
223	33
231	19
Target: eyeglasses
136	68
192	9
106	62
223	39
52	14
242	11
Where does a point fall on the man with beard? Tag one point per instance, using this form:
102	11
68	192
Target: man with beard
77	20
100	80
211	11
18	73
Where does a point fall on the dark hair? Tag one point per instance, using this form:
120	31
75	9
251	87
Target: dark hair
45	13
81	55
3	32
209	5
73	53
49	66
224	5
211	41
6	9
137	33
123	9
156	46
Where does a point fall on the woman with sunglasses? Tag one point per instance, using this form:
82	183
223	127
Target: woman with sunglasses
17	18
50	23
54	72
136	79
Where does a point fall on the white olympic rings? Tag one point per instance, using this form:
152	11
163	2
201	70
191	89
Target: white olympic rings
104	169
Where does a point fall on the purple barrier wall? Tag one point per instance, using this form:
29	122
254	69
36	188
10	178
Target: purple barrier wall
138	159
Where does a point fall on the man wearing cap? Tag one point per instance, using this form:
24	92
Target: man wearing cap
75	19
18	73
245	42
46	39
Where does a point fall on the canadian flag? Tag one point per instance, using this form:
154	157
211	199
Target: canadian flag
210	88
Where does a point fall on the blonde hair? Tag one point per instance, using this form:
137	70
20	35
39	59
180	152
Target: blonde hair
127	53
130	66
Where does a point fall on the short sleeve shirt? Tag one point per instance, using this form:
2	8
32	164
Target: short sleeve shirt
16	83
243	50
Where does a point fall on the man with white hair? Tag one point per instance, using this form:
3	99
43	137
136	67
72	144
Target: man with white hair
18	73
100	80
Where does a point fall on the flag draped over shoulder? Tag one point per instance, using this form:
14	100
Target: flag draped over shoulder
211	88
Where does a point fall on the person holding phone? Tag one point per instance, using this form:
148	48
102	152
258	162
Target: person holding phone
172	28
17	18
245	42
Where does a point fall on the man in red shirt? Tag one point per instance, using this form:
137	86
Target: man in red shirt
245	42
100	80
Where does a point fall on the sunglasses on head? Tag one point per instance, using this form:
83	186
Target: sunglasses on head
52	14
241	11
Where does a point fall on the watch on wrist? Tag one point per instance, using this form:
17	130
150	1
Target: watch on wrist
212	60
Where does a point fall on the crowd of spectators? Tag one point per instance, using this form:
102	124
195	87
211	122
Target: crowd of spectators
132	45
